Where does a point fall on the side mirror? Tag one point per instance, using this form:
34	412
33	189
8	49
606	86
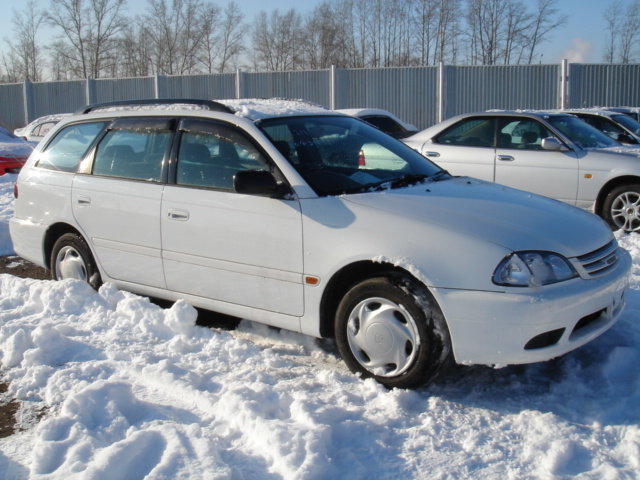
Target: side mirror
256	182
553	144
626	139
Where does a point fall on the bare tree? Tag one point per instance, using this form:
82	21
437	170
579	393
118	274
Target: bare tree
629	32
222	43
275	40
546	20
24	59
324	42
90	30
612	18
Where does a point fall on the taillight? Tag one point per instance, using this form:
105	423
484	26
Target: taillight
361	160
15	190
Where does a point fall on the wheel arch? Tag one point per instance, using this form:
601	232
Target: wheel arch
54	232
608	187
346	278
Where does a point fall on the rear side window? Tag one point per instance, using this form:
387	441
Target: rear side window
69	146
471	132
134	148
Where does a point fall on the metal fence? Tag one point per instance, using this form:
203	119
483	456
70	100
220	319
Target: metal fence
420	95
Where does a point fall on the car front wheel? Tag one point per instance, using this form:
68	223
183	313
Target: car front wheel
71	258
390	329
621	208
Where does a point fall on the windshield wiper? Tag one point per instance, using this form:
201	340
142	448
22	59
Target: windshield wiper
440	175
406	180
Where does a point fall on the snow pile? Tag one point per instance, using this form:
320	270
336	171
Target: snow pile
112	386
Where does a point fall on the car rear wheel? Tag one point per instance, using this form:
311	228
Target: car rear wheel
390	329
72	258
621	208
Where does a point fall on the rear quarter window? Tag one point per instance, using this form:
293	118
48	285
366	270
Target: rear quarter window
69	146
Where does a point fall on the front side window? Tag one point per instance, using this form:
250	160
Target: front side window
471	132
134	148
521	133
69	146
211	153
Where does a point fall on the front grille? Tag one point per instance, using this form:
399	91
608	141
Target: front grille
601	261
544	339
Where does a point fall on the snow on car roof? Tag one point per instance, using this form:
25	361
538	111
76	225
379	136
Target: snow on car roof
258	108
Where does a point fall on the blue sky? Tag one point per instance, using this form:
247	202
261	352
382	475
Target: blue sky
581	40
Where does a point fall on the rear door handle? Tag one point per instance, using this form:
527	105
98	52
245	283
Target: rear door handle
84	200
432	154
505	158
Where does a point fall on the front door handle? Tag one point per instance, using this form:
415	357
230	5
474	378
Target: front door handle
506	158
83	200
432	154
176	214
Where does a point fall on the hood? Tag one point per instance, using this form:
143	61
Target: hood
511	218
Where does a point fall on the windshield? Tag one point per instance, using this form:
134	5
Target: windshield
337	155
581	133
629	123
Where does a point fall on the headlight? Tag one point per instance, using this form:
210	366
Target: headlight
533	269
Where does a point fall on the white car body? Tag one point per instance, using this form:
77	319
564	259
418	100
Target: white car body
382	119
281	261
35	131
563	169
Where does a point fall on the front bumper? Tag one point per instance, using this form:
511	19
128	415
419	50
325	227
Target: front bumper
531	325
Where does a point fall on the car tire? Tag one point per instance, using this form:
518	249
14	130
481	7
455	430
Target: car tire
72	258
621	208
391	329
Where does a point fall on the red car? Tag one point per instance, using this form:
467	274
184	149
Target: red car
13	152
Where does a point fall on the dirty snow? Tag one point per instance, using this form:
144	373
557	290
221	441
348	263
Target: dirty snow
112	386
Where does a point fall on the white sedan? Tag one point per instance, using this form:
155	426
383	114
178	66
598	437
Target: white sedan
552	154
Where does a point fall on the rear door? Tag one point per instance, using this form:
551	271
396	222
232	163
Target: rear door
466	148
117	201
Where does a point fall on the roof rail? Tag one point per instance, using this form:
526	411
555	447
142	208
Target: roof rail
206	104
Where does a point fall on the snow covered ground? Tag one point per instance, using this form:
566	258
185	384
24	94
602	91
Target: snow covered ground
114	387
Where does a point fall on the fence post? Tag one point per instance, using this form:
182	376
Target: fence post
91	94
239	83
28	101
564	84
441	92
160	85
332	88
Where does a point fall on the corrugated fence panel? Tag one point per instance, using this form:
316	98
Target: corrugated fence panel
479	88
58	97
115	89
604	85
12	114
409	93
311	86
207	87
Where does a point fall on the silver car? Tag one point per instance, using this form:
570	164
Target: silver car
619	126
552	154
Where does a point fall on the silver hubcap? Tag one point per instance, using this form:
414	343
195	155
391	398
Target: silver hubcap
69	264
383	337
625	211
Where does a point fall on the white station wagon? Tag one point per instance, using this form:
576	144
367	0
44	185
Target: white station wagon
243	209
